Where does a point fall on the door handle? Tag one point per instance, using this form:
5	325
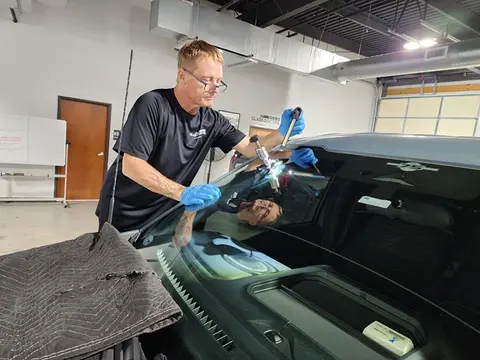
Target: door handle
101	154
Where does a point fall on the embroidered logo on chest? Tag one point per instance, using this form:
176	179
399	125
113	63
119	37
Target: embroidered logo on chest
198	134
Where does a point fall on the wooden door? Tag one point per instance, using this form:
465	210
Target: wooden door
87	135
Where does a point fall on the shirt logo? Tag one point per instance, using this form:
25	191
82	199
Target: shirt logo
198	134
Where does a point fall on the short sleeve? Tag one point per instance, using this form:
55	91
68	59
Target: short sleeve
141	128
227	135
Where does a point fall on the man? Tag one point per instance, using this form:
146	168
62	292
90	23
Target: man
167	136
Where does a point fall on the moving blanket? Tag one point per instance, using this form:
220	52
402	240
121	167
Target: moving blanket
75	299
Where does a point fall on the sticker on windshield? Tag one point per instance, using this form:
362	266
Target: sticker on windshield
381	203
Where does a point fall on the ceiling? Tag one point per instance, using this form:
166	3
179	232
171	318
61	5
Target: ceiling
367	27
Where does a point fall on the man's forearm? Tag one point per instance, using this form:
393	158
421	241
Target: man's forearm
144	174
271	140
183	231
268	142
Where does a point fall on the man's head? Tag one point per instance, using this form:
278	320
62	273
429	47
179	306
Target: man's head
200	73
259	212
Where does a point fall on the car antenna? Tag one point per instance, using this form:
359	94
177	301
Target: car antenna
112	200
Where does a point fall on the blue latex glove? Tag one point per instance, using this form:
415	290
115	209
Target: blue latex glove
200	196
303	158
285	123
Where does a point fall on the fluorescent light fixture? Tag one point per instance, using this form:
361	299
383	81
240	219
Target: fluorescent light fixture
428	42
425	43
412	45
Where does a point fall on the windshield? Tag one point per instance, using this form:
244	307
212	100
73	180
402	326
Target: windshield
248	205
361	255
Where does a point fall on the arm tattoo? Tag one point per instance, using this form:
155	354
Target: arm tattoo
162	185
144	174
183	232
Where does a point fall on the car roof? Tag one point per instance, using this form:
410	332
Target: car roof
444	150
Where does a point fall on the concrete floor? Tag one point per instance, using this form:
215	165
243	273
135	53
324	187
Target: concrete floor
24	226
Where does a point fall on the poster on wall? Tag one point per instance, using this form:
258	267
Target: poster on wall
266	121
233	117
13	139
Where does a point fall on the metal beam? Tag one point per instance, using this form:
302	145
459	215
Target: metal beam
293	13
269	10
367	20
356	15
456	13
441	78
330	38
228	5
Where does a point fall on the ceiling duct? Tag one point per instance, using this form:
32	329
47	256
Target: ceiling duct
458	55
180	19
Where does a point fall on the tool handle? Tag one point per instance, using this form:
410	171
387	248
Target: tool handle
295	115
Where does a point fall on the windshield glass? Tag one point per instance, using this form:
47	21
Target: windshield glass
362	255
248	205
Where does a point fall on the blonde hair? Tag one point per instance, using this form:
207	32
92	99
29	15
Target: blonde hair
198	49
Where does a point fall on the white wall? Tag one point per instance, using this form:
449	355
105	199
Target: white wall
332	108
81	50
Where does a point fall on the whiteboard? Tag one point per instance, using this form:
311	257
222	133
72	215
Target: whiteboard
32	140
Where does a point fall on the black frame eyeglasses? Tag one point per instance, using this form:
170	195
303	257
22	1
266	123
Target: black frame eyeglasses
208	85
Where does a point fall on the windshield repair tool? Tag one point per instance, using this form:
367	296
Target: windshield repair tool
295	115
263	155
316	169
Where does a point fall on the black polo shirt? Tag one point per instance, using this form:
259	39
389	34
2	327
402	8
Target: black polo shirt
159	131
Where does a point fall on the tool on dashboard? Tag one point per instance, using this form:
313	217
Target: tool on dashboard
295	115
316	169
263	155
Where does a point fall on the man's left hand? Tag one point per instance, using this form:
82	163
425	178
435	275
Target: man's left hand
285	123
303	158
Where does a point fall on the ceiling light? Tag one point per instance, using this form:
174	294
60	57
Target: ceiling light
412	45
428	42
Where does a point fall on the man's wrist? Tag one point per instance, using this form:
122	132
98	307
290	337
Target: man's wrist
179	192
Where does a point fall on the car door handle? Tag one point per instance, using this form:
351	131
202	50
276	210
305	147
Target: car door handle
101	154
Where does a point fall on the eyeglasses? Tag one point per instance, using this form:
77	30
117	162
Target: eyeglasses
210	87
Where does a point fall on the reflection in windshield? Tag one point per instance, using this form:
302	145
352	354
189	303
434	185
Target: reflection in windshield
360	273
248	204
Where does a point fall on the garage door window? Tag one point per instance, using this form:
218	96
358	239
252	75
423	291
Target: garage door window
430	115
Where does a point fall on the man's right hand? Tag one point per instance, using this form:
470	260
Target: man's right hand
200	196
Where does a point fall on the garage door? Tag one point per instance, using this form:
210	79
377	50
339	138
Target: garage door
451	115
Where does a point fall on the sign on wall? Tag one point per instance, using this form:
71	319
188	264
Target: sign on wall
266	121
233	117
